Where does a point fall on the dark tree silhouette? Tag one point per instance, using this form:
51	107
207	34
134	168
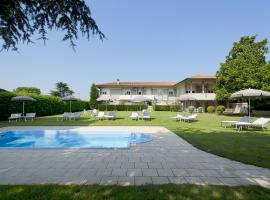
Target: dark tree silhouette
20	19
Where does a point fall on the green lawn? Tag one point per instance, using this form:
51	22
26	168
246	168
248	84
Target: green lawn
170	192
251	147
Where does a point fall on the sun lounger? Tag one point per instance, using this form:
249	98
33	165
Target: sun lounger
111	115
134	116
178	117
189	118
259	123
233	122
15	116
30	116
65	116
146	115
74	116
101	115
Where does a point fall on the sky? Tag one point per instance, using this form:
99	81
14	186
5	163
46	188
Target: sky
153	40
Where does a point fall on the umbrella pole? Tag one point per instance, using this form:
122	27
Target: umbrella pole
23	108
70	106
249	108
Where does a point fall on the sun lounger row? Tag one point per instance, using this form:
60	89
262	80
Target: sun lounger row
69	116
246	123
181	117
18	116
145	115
110	115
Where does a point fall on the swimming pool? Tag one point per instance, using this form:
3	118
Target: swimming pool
70	139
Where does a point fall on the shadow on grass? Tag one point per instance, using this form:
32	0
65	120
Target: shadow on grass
94	192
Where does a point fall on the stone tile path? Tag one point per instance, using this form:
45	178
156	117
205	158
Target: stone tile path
166	159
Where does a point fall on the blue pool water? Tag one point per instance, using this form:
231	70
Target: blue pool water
71	139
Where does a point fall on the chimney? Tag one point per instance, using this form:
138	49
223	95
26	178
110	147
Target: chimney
118	81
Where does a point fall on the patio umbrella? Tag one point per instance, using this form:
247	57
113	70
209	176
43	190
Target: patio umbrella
250	93
185	98
22	99
70	99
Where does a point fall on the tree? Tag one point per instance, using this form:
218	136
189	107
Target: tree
244	67
21	19
61	90
28	90
94	94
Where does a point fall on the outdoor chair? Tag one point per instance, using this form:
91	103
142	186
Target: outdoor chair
259	123
111	115
30	116
226	123
65	116
146	115
75	115
101	115
134	116
15	116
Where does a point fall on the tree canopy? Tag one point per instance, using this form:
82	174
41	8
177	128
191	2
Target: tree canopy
94	94
28	90
244	67
21	19
62	90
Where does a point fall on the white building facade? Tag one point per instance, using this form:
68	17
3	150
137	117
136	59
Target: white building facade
199	90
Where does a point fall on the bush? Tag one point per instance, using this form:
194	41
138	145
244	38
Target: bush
191	109
200	109
220	109
102	107
211	109
44	106
172	108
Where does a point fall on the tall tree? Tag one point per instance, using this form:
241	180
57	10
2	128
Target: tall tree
94	94
28	90
21	19
62	90
244	67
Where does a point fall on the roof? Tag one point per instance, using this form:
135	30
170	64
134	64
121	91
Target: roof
198	97
142	84
202	77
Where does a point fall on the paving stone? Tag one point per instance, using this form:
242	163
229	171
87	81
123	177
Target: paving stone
164	172
143	180
126	181
149	172
119	172
177	180
229	181
109	180
154	165
179	172
194	180
160	180
141	165
134	172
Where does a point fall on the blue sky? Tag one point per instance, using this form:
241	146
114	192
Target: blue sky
153	40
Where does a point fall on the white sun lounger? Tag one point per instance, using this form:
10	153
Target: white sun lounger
65	116
74	116
259	123
226	123
15	116
30	116
134	116
101	115
146	115
190	118
111	115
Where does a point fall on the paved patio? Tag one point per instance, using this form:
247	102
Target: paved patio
166	159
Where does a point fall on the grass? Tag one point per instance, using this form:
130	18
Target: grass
252	147
94	192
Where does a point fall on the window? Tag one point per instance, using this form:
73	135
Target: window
128	93
104	92
171	93
139	93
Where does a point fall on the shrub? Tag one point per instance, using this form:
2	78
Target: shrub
191	109
102	107
200	109
172	108
211	109
44	106
220	109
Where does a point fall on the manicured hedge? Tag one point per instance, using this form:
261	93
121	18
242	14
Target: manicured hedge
173	108
102	107
45	105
